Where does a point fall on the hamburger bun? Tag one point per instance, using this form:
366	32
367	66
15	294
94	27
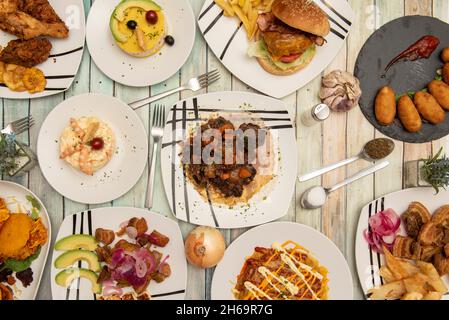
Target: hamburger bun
304	15
273	69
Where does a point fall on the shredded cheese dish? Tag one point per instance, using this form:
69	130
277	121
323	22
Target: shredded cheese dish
282	272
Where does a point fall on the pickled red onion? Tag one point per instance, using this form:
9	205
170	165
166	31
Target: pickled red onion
384	227
112	290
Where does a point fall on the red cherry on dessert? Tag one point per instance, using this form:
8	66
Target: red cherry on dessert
97	143
151	17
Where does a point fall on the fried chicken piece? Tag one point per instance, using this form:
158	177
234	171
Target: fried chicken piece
26	53
40	10
31	18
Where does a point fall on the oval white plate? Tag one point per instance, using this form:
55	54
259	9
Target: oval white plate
87	222
140	72
10	189
327	253
270	203
65	56
125	167
369	261
229	42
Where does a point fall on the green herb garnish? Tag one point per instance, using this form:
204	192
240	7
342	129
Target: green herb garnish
20	265
34	202
436	171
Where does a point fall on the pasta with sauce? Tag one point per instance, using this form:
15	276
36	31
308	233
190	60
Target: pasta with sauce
282	272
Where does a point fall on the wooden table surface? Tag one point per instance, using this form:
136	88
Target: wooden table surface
339	137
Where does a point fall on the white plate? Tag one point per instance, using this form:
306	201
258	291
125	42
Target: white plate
126	165
228	41
172	288
140	72
269	204
327	253
368	261
10	189
65	56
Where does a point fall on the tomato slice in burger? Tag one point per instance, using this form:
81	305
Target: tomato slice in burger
290	58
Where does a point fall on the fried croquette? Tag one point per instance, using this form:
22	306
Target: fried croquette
440	91
445	73
445	55
385	106
429	108
408	114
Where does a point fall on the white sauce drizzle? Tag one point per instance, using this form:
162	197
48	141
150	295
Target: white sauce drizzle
287	284
304	266
290	263
255	290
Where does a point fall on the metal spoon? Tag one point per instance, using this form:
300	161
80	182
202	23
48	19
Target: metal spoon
316	197
362	155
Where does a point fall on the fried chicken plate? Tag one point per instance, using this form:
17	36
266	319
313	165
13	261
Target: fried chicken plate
28	19
26	53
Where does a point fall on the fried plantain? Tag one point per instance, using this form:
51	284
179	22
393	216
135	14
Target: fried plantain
13	77
34	80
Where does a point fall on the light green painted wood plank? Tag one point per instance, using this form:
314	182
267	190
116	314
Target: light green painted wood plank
195	65
359	131
14	110
37	183
136	196
160	199
309	151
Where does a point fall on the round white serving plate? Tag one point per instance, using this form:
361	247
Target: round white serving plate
140	72
119	175
327	253
19	193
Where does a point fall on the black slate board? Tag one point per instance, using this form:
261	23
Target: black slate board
385	44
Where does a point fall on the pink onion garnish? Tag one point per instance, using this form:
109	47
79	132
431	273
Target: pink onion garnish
384	228
112	290
141	268
131	232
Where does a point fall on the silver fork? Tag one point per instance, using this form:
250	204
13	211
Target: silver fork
193	84
157	131
18	126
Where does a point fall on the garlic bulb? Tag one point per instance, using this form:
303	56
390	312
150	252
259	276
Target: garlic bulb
340	90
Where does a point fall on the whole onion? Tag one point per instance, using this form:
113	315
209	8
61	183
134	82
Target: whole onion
205	247
340	90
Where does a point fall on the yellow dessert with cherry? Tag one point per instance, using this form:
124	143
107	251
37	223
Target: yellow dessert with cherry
139	27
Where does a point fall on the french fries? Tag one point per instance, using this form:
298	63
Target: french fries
246	12
408	281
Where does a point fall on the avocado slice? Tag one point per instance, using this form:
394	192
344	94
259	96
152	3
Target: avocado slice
147	5
77	241
65	278
69	258
116	33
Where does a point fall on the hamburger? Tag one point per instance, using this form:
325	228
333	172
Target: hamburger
288	35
